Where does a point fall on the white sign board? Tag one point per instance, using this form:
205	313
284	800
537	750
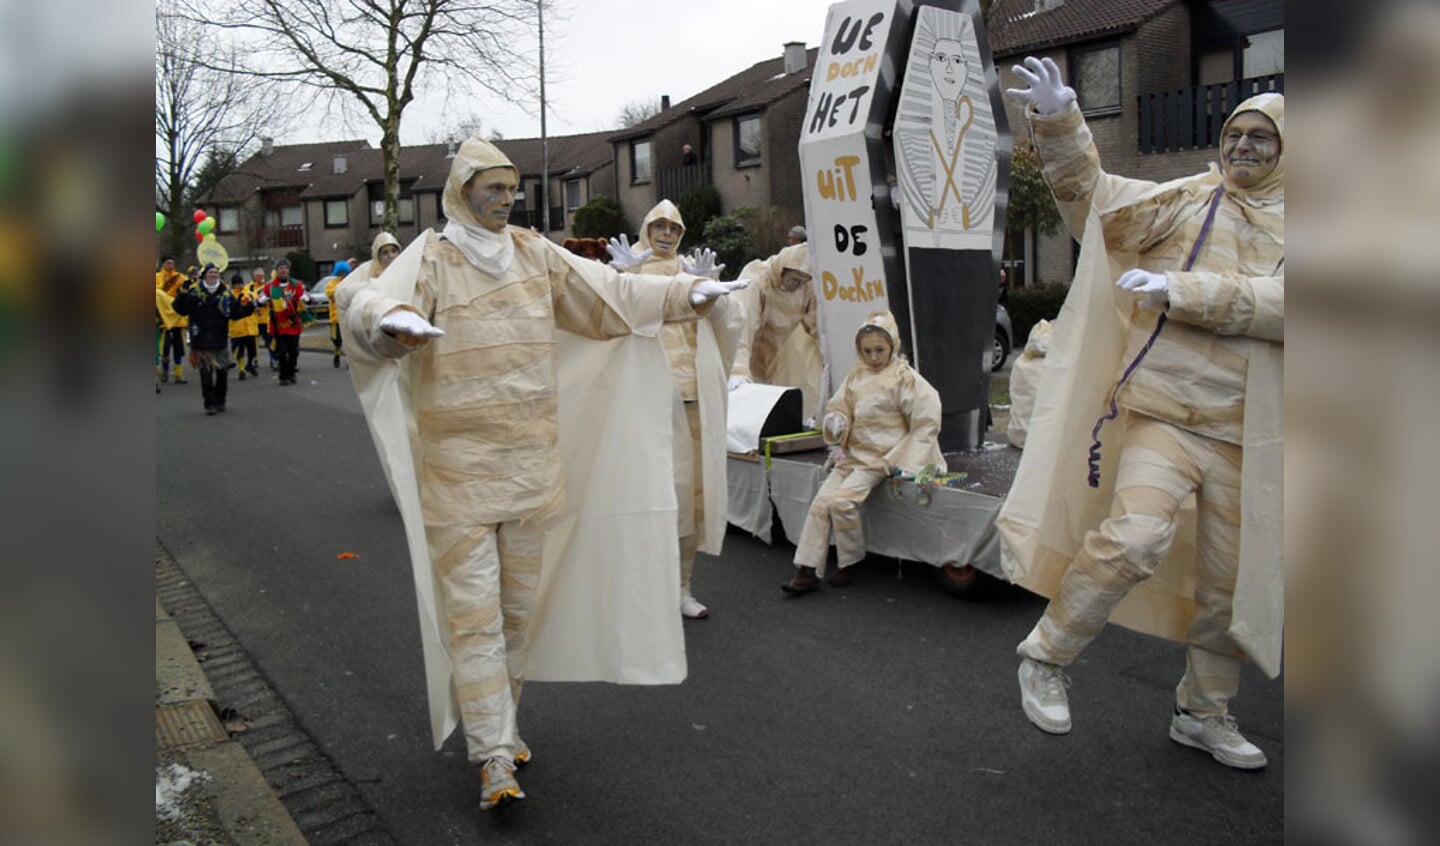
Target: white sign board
845	255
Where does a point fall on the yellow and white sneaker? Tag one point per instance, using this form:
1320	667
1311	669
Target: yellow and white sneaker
498	786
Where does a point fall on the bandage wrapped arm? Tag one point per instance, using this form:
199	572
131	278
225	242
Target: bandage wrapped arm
368	311
1230	303
753	301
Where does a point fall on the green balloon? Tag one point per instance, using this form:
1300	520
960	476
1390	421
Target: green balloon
207	224
159	221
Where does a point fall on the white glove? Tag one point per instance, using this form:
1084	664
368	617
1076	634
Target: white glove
702	263
621	256
736	381
262	300
708	289
1048	93
1154	286
304	298
836	424
808	423
404	322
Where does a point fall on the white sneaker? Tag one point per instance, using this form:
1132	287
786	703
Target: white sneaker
1218	735
497	784
690	607
1042	695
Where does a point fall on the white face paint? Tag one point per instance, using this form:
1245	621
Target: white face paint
665	238
491	194
211	280
388	254
792	279
947	68
1249	149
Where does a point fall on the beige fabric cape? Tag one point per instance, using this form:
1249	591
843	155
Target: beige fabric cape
1050	507
610	585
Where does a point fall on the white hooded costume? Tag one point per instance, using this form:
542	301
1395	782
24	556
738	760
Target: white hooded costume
531	460
1201	414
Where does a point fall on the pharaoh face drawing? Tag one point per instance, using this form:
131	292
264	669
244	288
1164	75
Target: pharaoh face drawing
947	69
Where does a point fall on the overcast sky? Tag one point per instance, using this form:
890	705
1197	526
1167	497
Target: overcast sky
603	54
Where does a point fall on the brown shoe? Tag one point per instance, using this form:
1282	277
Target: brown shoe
840	577
804	581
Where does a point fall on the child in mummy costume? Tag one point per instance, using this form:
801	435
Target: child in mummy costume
885	418
700	390
508	385
1173	331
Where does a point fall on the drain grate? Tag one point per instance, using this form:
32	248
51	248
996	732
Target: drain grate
188	725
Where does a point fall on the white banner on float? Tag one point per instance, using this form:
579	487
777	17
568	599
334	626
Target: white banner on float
835	168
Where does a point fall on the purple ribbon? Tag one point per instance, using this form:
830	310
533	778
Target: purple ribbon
1114	412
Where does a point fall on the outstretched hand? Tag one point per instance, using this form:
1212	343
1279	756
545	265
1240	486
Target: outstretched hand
1048	93
622	256
707	290
408	327
702	263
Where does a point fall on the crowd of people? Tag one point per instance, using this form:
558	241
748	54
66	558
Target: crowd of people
502	375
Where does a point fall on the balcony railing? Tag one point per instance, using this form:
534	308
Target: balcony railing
672	183
1191	118
292	235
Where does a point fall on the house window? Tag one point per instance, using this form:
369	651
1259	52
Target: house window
572	194
1096	74
1264	54
747	141
375	194
640	161
286	216
337	214
228	221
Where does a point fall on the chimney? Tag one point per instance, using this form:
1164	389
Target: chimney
452	148
339	165
664	102
267	145
794	56
1047	5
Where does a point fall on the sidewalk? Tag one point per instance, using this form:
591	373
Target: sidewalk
207	790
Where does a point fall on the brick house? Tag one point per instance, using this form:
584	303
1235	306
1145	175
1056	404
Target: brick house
1156	79
327	199
745	130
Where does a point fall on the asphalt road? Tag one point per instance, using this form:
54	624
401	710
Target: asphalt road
884	713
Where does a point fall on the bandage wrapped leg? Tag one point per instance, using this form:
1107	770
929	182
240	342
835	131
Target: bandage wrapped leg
488	576
836	508
1160	465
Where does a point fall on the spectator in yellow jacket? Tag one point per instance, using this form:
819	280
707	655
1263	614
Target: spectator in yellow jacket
342	269
244	330
168	279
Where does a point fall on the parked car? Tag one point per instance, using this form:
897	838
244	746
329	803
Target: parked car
1002	344
319	303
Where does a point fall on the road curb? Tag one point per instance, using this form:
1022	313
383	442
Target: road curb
267	781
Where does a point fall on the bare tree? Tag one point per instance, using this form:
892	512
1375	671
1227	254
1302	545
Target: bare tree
203	117
457	128
638	112
372	55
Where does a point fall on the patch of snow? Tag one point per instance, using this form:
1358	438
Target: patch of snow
170	784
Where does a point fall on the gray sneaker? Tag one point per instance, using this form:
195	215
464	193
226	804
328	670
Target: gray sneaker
498	786
1218	735
1042	695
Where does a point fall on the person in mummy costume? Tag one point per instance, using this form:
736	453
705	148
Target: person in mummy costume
700	354
1173	334
508	385
780	343
884	419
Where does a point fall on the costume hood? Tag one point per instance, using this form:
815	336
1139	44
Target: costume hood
382	239
795	257
487	250
664	210
1272	188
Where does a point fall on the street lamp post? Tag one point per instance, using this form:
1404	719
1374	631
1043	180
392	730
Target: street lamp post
544	139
